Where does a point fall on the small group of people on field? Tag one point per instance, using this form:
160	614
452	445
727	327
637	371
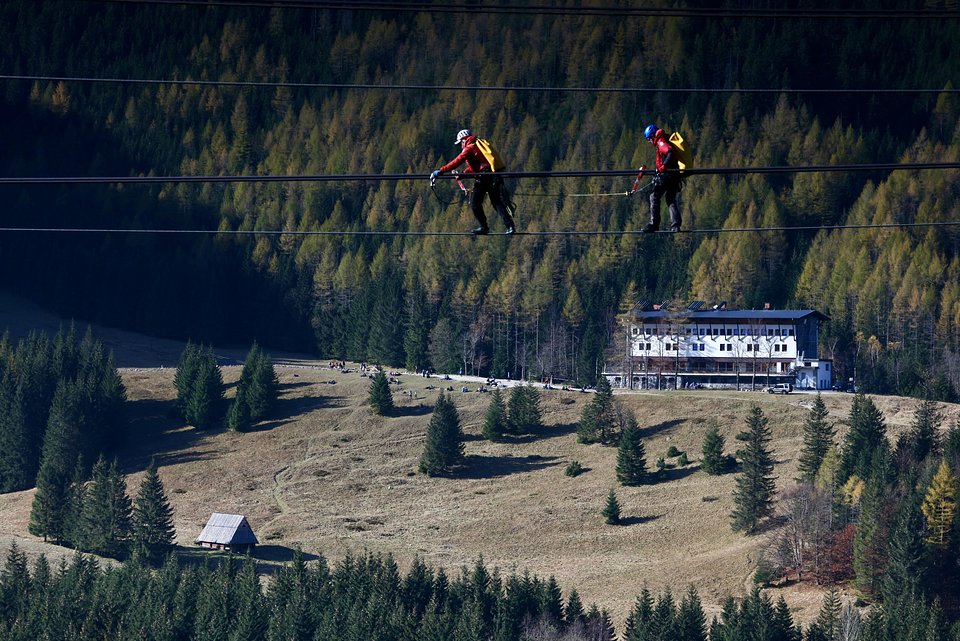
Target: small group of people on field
666	184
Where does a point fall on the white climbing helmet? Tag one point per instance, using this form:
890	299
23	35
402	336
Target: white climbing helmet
463	133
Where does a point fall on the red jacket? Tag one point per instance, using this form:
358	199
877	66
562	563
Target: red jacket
471	154
666	159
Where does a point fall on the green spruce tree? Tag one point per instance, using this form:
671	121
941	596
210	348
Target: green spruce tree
203	407
380	397
444	449
598	420
714	460
867	433
152	531
523	410
611	509
753	496
60	451
631	457
818	437
495	424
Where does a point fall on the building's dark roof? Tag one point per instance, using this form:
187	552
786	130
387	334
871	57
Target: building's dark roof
227	529
735	314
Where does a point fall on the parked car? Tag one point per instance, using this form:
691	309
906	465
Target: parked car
780	388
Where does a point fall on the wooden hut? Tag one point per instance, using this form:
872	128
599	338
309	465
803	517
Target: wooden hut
227	532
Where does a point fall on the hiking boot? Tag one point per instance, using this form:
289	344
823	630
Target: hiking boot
649	229
481	231
510	230
675	228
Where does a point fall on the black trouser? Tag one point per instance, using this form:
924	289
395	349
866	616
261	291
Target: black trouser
668	189
493	185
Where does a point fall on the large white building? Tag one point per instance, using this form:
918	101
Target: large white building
720	347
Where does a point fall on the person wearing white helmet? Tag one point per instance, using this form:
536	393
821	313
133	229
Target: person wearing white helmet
486	181
666	180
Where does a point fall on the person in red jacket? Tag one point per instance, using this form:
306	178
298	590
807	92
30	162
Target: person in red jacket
486	182
666	180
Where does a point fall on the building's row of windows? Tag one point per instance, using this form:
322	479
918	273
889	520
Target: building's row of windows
701	347
716	331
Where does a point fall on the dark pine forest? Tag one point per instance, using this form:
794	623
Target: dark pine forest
524	306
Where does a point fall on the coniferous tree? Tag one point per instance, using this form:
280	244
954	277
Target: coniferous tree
753	496
598	420
573	613
691	622
238	416
869	542
714	460
444	447
906	571
611	509
152	531
495	423
951	445
18	453
105	518
523	410
15	592
186	374
380	397
782	624
638	623
60	451
206	394
664	620
260	384
940	506
827	625
817	440
867	433
417	334
631	457
922	438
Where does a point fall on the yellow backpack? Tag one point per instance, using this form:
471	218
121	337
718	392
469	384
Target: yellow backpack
684	156
491	154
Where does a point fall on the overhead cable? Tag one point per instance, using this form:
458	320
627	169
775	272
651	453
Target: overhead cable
271	84
572	10
603	173
625	232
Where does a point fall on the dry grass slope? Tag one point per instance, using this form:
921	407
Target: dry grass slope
328	476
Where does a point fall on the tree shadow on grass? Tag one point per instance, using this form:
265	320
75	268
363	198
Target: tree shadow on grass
638	520
295	384
548	431
286	409
648	432
411	410
486	467
155	431
677	473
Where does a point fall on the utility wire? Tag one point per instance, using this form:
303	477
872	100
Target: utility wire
575	11
699	171
269	84
627	232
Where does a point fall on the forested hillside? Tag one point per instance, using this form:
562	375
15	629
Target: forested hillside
524	305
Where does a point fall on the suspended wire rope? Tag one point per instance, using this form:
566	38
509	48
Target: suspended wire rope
573	11
625	232
602	173
270	84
